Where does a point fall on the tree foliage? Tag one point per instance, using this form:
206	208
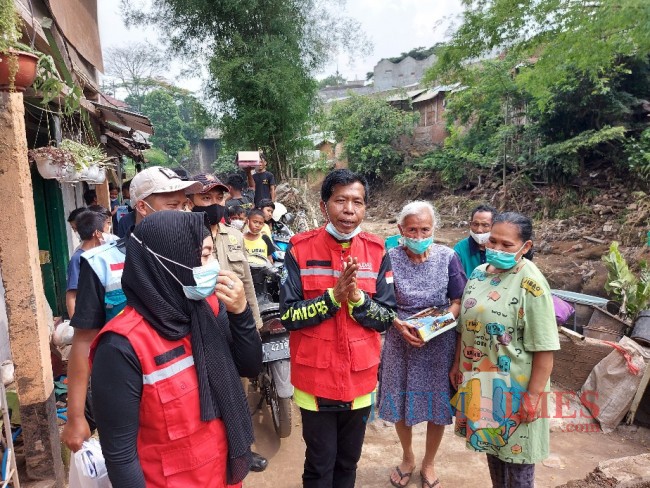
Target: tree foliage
332	80
261	57
163	112
561	37
370	129
549	87
180	121
418	53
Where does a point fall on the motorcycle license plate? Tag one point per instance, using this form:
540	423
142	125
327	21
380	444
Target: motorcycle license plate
275	349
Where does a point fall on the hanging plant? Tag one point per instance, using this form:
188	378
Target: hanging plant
72	161
86	156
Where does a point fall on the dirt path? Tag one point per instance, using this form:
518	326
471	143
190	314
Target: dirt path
574	455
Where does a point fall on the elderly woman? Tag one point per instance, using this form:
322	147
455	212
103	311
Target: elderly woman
169	406
414	386
504	356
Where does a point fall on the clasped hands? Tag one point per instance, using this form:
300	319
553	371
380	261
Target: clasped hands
346	289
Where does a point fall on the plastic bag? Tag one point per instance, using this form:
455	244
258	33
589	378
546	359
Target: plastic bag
563	310
87	467
614	381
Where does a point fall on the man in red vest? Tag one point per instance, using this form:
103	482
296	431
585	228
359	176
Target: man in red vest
336	297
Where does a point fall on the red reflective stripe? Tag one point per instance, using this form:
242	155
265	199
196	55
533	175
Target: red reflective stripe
117	266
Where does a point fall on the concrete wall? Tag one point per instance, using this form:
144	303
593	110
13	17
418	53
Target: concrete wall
407	72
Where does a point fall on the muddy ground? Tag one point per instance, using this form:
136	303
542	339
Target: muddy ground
573	456
570	262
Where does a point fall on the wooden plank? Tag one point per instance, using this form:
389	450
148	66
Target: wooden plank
639	395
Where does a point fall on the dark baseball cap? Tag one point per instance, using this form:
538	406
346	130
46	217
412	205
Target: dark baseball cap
209	181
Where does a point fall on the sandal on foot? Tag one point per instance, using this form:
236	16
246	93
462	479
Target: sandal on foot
402	476
429	484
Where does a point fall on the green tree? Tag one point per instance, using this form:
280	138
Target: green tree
332	80
163	112
261	57
548	87
561	37
370	128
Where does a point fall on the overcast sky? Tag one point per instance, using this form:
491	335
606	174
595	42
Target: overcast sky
394	26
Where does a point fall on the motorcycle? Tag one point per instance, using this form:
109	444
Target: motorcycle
274	382
280	232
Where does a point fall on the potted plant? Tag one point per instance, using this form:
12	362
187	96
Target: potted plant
22	66
17	66
631	294
630	291
71	162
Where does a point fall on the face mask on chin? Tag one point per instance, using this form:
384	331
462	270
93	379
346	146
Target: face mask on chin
480	239
339	236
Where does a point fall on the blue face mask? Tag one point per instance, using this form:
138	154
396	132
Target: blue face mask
502	259
331	230
205	276
417	246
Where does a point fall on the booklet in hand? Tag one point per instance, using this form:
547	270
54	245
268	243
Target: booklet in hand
432	322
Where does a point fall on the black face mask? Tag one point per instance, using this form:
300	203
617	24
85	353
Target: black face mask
214	212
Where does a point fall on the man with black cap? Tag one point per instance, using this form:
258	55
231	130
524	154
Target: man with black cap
100	296
228	248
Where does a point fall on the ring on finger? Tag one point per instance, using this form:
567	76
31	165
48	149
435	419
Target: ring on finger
230	285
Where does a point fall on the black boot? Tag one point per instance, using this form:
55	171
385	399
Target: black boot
259	463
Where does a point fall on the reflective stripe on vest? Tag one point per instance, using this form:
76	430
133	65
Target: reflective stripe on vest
168	372
335	273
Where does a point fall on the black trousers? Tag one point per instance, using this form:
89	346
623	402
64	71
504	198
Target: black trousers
510	475
334	441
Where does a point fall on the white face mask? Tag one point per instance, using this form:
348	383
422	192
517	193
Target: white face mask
237	224
481	239
106	238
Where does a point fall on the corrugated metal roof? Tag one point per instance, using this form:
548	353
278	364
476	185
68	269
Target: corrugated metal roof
409	95
124	117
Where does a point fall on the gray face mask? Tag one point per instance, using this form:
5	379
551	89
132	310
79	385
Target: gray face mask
205	276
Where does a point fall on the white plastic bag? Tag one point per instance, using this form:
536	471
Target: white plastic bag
614	381
87	467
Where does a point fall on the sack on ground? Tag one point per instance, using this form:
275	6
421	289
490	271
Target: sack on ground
613	382
87	467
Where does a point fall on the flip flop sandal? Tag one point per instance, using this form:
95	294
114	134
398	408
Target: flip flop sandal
401	478
429	484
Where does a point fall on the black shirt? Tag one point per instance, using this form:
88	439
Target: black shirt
89	310
125	223
117	391
244	201
263	183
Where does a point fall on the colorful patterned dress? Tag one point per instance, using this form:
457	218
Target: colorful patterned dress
505	318
414	382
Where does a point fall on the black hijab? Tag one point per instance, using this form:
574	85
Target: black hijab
154	293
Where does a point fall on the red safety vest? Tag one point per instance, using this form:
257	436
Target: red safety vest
338	358
176	449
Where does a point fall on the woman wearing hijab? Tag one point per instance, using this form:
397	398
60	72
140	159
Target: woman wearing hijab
169	406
